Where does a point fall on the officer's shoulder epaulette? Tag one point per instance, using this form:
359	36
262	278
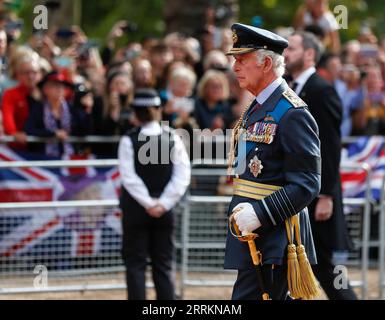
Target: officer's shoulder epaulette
292	97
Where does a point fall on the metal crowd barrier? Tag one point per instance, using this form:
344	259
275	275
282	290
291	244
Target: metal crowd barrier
65	271
204	230
204	225
104	139
200	238
381	229
88	139
361	235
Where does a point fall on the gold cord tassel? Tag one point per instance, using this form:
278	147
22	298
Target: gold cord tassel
293	269
309	284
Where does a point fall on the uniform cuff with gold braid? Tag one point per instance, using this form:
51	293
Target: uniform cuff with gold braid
274	201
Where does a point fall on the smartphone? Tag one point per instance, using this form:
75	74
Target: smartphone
377	98
84	47
65	33
131	27
217	38
63	62
13	25
184	104
52	5
369	51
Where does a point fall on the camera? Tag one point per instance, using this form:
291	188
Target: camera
14	25
222	14
65	33
52	5
131	27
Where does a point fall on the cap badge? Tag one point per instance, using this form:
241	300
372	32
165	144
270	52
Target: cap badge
235	37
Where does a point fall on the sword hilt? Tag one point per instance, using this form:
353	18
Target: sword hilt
245	237
255	254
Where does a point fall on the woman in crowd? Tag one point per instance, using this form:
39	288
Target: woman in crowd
118	116
370	120
179	104
212	108
25	68
55	117
317	13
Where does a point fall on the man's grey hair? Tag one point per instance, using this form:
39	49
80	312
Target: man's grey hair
278	60
310	41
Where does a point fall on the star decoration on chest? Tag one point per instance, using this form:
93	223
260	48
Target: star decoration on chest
255	166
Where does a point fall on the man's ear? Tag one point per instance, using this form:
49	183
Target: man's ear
268	64
310	54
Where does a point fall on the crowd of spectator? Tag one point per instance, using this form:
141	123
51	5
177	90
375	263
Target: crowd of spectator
59	83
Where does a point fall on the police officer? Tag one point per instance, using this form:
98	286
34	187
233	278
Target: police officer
277	167
155	173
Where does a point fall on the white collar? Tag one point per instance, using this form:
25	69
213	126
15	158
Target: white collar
151	128
267	92
302	78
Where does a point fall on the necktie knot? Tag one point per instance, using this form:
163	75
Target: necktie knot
254	106
294	86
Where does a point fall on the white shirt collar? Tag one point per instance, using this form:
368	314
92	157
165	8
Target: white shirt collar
302	78
152	128
267	92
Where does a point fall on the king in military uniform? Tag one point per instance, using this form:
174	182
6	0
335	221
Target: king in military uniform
275	162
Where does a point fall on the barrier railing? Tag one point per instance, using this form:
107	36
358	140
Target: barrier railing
63	267
200	239
381	229
76	139
364	241
66	272
104	139
191	243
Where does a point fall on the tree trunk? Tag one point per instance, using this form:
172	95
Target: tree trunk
190	17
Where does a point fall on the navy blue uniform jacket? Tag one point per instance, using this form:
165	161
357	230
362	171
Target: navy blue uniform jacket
292	160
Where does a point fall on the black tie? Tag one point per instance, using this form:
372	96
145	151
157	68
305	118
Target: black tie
253	107
294	86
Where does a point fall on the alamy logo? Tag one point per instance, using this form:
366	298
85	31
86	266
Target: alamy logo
341	278
341	15
41	20
41	280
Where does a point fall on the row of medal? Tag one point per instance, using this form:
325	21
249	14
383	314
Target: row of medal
262	132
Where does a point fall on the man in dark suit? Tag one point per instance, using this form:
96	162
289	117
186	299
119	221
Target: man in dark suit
326	211
277	171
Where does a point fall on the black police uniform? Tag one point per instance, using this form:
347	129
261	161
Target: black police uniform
291	159
145	236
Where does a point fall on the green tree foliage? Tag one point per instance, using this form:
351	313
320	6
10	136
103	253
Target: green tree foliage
97	17
277	13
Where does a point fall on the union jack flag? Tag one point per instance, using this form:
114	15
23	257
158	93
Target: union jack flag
370	150
57	235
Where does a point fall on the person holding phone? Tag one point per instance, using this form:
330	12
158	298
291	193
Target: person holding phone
54	116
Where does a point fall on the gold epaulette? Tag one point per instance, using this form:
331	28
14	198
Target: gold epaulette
296	101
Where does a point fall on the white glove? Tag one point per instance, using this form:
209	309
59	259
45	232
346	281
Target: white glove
246	219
